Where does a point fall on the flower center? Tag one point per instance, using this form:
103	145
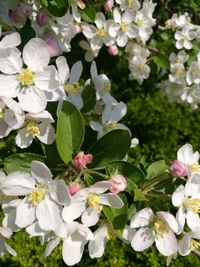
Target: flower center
106	87
124	26
35	197
32	128
93	200
160	227
26	77
192	204
111	235
139	22
72	88
101	32
110	126
194	245
129	3
194	167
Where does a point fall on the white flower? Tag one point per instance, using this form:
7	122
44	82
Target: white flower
183	38
139	69
111	115
43	196
180	58
28	83
177	74
74	236
187	199
122	28
128	4
188	243
89	202
144	24
5	233
193	74
36	125
159	228
90	54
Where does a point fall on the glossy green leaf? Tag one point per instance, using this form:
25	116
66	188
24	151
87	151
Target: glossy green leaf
88	14
139	196
157	169
111	147
70	131
89	98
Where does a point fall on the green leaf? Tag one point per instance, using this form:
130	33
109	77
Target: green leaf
21	162
112	146
57	8
89	98
139	196
161	61
117	217
70	131
157	169
88	14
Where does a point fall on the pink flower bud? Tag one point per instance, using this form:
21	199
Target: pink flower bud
52	45
78	28
179	168
81	160
16	16
42	19
25	9
113	50
109	5
118	184
73	188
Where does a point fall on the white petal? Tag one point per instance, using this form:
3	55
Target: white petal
184	245
111	200
41	172
90	217
18	184
10	40
25	214
178	196
48	215
193	220
32	99
60	192
47	79
63	69
50	246
47	133
167	244
186	155
96	247
76	72
76	100
143	239
141	218
100	187
180	217
169	218
73	211
35	54
192	187
35	230
10	61
23	138
8	85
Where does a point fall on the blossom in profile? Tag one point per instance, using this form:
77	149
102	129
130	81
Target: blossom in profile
81	160
118	184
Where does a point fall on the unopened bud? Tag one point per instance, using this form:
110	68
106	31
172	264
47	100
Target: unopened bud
118	184
109	5
42	19
113	50
179	168
52	45
73	188
81	160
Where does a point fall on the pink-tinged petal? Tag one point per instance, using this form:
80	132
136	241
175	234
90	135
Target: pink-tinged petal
141	218
73	211
25	214
76	72
180	217
8	85
143	239
23	138
111	200
10	40
48	215
170	220
32	99
75	245
47	133
35	54
100	187
167	245
90	217
60	192
178	196
63	69
41	172
18	184
184	245
193	220
10	61
51	246
96	247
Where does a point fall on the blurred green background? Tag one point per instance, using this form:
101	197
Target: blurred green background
161	128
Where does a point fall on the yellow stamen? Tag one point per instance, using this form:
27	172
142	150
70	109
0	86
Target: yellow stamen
160	227
93	200
194	245
192	204
101	32
32	128
124	26
110	126
111	235
106	87
129	3
139	22
26	77
72	88
194	167
35	197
